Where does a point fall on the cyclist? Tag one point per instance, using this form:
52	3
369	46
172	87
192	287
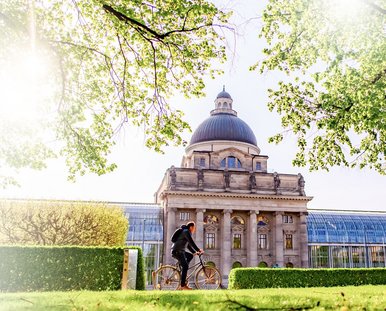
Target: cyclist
179	252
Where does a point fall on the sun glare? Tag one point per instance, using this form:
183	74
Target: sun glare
345	10
24	86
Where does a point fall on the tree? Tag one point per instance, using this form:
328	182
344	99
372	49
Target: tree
112	63
336	105
61	223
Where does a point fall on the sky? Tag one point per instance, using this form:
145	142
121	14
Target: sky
140	170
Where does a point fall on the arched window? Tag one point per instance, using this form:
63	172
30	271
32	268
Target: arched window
262	264
289	265
262	220
236	264
237	220
230	162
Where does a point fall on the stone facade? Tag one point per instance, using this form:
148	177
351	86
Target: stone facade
244	215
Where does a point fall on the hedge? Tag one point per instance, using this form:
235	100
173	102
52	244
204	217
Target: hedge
243	278
62	268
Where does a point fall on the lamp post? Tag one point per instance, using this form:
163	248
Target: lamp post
366	250
143	237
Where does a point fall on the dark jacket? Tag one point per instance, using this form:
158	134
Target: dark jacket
185	241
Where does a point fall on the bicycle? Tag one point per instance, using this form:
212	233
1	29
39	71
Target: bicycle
168	277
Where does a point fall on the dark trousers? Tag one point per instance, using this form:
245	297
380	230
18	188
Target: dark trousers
184	258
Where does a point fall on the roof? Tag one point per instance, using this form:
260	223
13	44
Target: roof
346	228
223	126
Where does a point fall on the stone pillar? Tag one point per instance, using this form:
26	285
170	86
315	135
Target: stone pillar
170	227
200	228
303	240
252	240
226	243
279	239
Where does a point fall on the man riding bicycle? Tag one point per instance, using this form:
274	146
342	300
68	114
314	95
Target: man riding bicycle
183	241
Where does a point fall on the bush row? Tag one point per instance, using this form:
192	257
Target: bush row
242	278
62	268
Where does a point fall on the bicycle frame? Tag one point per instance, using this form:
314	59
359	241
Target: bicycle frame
195	266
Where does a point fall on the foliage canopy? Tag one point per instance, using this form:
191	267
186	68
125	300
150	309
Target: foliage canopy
339	113
61	223
114	63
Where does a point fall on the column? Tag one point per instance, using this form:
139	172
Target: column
303	240
252	240
279	239
226	243
200	227
170	228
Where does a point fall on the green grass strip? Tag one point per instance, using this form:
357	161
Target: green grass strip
368	297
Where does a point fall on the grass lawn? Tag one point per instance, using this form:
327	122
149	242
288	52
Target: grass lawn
318	298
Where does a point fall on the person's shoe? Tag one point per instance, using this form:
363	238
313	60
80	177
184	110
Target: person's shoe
186	287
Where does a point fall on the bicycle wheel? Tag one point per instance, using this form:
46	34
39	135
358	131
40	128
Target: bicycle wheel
166	278
208	277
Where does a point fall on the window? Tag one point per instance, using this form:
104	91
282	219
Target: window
210	239
262	241
184	216
202	162
288	241
258	166
230	162
237	241
287	219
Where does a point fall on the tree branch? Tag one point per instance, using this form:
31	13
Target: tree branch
374	6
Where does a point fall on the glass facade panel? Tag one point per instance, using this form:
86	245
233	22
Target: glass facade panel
319	256
346	228
377	255
340	258
146	231
358	257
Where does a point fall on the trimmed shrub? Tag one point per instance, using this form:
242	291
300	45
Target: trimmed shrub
242	278
62	268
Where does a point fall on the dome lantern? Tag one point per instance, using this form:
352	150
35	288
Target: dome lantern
223	103
223	124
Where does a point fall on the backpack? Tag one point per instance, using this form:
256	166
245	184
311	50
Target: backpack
177	233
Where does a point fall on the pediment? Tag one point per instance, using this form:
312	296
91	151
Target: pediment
211	227
263	229
238	228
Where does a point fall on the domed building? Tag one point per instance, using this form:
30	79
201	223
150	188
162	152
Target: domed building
244	215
